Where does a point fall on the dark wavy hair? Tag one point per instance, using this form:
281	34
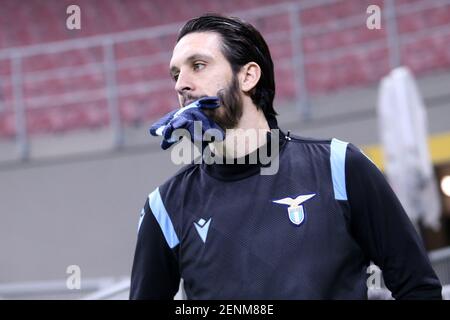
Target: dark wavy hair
241	44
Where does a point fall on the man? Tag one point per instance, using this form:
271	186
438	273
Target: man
307	232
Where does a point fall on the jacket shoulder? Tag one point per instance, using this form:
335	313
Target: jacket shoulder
308	140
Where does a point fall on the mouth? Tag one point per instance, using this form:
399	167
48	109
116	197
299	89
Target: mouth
188	102
189	99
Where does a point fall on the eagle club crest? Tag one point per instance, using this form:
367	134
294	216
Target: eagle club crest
296	212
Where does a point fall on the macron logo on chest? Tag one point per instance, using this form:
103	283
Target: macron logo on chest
202	227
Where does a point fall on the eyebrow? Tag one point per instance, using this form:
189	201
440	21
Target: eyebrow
195	56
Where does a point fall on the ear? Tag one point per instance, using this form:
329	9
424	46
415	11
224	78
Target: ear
249	76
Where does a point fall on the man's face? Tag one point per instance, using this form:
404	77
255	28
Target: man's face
199	69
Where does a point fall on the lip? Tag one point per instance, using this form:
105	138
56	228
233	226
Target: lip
188	102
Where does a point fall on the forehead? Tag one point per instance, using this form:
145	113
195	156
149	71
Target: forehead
197	43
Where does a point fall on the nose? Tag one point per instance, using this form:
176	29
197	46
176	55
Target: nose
184	83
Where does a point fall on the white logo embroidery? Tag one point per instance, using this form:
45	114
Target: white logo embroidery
296	212
202	227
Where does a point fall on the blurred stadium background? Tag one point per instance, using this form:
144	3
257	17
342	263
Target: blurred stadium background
76	160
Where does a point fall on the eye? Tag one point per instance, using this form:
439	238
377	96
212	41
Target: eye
199	66
175	77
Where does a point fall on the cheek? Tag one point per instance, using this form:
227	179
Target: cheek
220	81
221	85
212	80
212	86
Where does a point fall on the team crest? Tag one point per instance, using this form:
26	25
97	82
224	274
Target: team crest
296	212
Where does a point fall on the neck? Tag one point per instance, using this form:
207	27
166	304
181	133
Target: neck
249	135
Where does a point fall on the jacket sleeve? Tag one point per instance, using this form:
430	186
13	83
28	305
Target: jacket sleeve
385	233
155	273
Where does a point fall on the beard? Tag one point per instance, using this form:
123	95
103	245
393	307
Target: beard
229	113
230	109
